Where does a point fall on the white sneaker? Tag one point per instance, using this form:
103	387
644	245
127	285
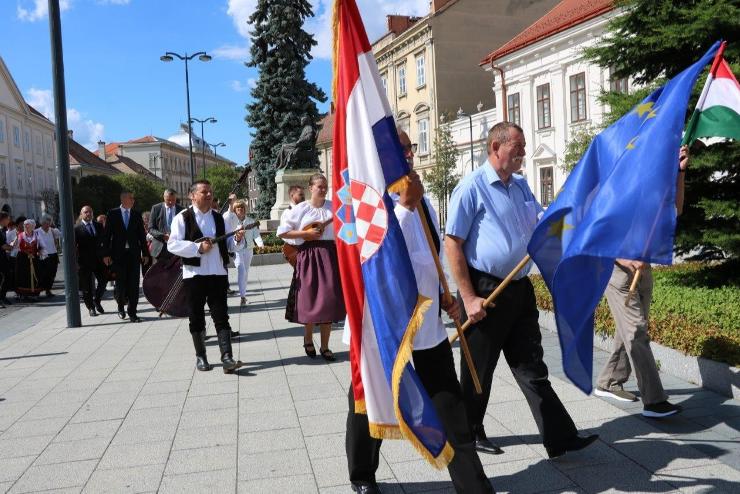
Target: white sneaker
615	393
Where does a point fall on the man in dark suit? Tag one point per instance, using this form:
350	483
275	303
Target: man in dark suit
124	245
160	220
89	235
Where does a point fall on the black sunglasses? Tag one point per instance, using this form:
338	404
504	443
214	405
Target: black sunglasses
410	147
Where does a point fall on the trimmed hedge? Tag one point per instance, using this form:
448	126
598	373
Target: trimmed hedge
695	309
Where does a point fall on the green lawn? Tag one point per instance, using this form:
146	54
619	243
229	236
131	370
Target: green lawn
695	309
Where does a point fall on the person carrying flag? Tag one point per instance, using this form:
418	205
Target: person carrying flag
432	358
491	218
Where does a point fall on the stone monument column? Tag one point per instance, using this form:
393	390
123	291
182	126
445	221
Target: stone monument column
284	178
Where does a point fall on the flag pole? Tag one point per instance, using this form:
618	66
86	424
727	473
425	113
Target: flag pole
500	288
425	221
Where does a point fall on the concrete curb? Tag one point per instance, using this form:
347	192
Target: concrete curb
716	376
268	259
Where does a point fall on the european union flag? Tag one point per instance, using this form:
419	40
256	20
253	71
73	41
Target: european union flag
619	202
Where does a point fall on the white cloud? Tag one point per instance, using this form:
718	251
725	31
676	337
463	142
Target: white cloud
232	52
35	10
86	131
240	87
373	14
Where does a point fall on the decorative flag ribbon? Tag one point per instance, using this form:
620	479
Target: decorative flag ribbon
384	308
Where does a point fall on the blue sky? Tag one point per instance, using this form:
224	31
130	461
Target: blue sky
118	89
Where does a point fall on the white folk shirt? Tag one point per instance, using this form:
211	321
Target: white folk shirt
432	330
302	215
11	236
210	262
47	241
289	241
251	236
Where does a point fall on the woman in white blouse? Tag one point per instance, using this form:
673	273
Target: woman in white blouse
318	292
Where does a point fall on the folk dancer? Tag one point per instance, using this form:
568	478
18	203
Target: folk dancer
27	268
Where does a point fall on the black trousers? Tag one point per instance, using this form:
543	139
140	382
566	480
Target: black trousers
92	284
48	268
436	369
512	327
212	290
126	291
6	275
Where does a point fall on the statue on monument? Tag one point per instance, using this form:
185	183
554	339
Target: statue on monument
300	154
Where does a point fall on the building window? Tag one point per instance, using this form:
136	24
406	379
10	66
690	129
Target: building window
48	149
384	82
421	78
16	136
2	131
578	97
514	109
423	136
543	106
2	174
38	148
546	186
402	80
26	141
19	177
617	85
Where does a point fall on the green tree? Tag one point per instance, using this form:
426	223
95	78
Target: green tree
100	192
281	50
441	179
654	40
146	191
222	178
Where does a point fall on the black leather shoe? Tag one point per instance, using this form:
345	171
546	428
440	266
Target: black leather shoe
135	319
201	363
365	487
230	365
99	308
234	334
483	444
122	314
574	444
93	313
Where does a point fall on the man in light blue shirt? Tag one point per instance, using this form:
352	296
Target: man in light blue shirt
491	218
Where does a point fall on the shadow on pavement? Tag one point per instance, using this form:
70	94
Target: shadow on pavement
34	355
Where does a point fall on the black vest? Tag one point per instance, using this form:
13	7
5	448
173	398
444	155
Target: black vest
193	233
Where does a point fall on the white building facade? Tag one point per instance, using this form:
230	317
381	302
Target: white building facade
27	153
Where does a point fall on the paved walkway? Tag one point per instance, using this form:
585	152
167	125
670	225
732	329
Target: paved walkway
118	407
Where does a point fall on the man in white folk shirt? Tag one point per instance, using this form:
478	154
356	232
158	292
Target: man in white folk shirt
48	258
432	358
204	271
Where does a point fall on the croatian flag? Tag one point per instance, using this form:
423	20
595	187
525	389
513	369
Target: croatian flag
384	308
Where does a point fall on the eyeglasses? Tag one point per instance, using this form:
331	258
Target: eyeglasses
410	147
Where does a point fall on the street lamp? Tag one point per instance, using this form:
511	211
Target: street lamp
460	114
216	146
202	139
203	57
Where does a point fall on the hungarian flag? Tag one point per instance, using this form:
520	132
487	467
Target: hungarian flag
384	307
717	112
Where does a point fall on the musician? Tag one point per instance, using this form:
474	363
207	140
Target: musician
124	245
297	196
204	271
27	262
89	237
160	221
244	254
48	237
432	357
491	217
5	249
319	292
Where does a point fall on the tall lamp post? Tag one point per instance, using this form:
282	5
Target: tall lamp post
216	146
460	114
203	57
202	139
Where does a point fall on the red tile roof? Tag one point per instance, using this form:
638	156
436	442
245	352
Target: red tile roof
564	15
79	155
127	165
326	133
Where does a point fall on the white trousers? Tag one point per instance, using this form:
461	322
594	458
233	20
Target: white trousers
242	261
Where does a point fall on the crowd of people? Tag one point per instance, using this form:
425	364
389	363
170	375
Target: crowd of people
29	257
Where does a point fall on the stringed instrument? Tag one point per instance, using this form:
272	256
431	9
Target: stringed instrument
163	283
290	251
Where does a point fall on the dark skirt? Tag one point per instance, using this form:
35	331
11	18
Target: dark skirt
315	295
27	275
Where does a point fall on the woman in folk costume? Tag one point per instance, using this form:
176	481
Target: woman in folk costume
318	292
244	253
27	262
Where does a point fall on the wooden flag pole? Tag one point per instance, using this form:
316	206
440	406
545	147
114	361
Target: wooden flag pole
633	287
500	288
448	297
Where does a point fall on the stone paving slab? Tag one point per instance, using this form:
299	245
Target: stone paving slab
118	407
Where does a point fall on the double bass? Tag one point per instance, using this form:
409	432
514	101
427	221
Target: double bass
163	284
